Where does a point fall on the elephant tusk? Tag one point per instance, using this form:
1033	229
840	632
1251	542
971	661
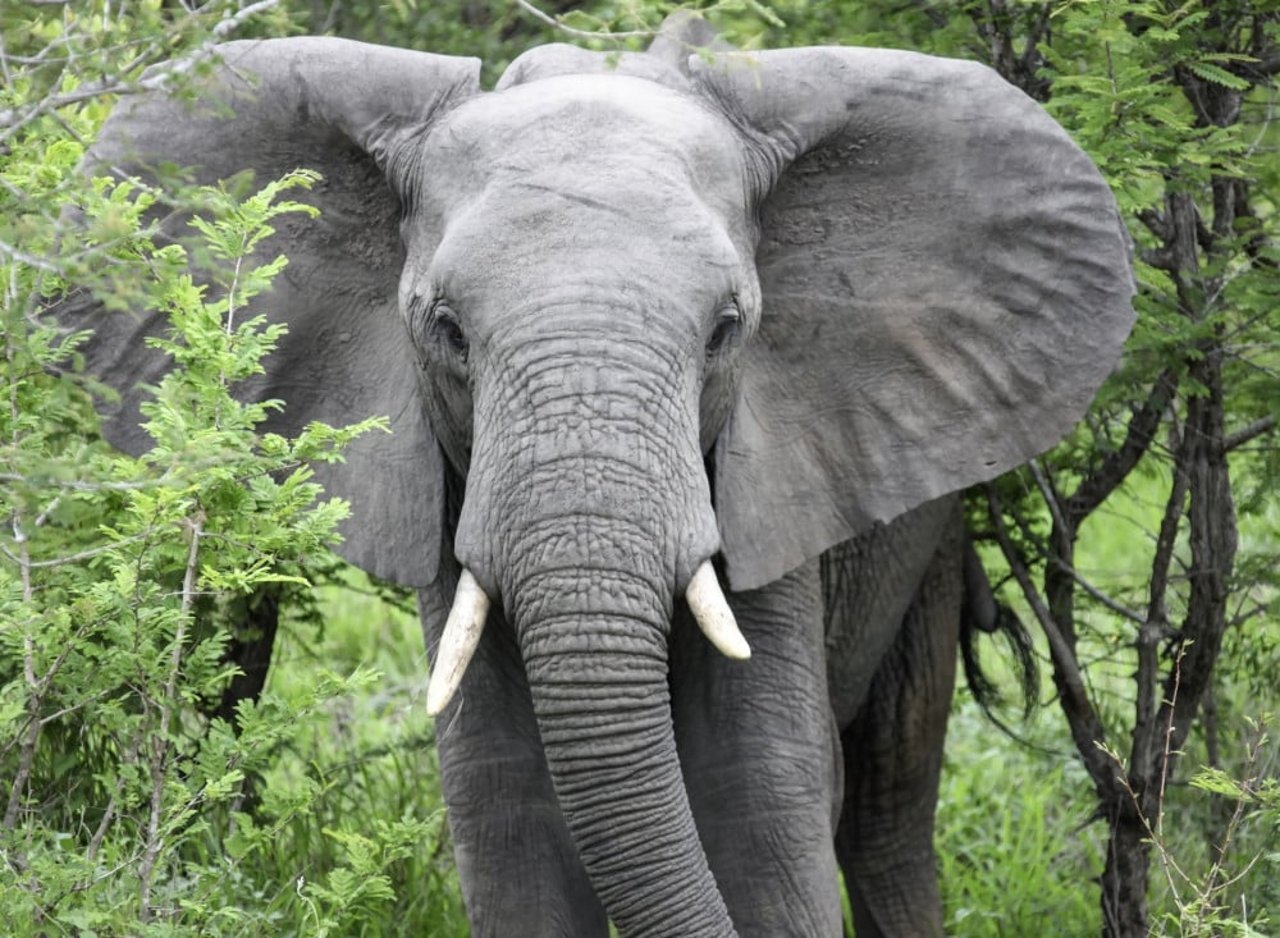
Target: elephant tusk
712	612
457	645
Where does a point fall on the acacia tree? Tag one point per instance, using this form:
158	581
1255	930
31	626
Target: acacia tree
1175	103
1174	110
122	798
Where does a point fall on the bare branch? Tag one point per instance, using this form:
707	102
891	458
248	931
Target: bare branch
582	33
1268	66
1115	606
1248	433
1156	223
1099	484
74	558
75	485
1086	728
1064	530
1031	54
154	843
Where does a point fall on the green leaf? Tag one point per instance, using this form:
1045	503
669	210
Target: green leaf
1217	75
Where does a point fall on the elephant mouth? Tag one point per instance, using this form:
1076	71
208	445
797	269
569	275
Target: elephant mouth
466	620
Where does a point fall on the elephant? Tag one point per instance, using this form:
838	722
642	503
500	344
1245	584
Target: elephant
685	358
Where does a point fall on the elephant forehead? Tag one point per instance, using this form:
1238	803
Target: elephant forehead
537	241
602	132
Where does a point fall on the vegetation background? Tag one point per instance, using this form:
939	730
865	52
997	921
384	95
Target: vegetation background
1137	795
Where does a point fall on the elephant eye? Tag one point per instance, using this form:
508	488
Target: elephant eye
447	330
728	324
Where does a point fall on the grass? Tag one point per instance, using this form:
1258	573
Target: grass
1015	846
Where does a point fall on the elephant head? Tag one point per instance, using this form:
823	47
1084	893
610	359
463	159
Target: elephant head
648	311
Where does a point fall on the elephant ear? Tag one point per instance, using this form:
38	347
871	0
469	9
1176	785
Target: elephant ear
348	110
945	283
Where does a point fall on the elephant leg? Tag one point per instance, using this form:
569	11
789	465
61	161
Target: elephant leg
893	757
519	869
250	649
757	746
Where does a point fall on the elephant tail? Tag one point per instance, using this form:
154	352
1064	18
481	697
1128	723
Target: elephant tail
980	611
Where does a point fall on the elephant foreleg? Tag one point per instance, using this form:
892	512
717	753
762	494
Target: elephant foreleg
893	757
757	748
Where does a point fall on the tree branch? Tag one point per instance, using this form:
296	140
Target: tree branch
1248	433
1156	223
1143	750
154	842
14	119
581	33
1267	66
935	16
1086	728
1098	485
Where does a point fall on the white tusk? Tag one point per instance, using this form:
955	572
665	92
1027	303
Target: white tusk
713	614
461	636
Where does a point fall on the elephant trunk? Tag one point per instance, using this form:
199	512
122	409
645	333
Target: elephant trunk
592	618
585	518
606	729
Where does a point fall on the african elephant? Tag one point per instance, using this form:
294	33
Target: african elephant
645	324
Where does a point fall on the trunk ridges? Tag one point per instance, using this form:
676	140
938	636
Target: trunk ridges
594	519
617	777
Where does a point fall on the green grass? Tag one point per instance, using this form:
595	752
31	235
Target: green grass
1015	846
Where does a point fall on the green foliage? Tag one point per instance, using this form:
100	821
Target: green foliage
1013	835
129	809
1121	533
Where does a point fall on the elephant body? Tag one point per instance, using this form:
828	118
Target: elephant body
645	325
857	752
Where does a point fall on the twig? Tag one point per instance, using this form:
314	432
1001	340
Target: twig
100	832
15	119
1115	606
27	757
1148	664
1167	753
73	558
78	486
581	33
1086	729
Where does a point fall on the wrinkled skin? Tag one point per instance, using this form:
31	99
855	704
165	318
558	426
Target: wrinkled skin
641	315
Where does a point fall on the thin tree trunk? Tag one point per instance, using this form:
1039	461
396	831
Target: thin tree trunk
1124	880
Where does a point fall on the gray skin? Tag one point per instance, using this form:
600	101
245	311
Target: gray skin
631	314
